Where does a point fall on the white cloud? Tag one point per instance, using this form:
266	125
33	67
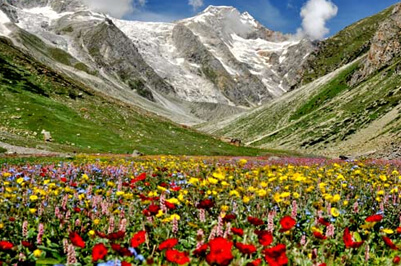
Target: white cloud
315	14
115	8
196	3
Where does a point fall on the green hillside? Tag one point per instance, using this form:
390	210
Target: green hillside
34	97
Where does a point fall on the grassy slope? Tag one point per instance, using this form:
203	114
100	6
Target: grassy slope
344	47
34	98
325	115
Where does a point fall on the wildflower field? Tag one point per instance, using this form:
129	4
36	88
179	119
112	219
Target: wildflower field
200	211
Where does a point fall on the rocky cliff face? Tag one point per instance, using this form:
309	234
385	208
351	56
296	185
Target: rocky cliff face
385	46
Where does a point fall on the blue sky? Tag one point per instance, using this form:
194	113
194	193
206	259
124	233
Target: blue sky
279	15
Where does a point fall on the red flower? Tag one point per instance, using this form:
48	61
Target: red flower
237	231
77	209
170	206
176	256
256	262
99	251
27	245
265	237
77	240
287	223
245	249
121	250
319	235
389	243
124	263
140	177
116	236
229	217
396	260
154	209
398	230
323	221
205	204
63	179
138	239
374	218
348	240
201	251
220	252
101	235
276	256
5	245
255	221
168	244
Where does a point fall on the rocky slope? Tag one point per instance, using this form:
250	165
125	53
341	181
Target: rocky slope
354	110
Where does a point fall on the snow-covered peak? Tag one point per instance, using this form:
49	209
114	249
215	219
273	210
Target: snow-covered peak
218	9
3	28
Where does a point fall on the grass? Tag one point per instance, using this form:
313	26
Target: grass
2	150
81	120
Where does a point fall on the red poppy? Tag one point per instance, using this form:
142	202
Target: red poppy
63	179
237	231
154	209
287	223
170	206
176	188
397	260
99	251
5	245
220	252
121	250
101	235
245	249
27	245
265	237
319	235
116	236
201	251
77	240
205	204
255	221
229	217
256	262
124	263
77	210
374	218
175	256
323	221
322	264
389	243
398	230
348	240
276	256
168	244
138	239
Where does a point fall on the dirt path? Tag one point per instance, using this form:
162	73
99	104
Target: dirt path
26	151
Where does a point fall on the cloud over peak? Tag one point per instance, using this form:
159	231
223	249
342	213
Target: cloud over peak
315	14
115	8
195	4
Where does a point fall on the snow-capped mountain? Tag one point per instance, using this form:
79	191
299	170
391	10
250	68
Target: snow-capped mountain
211	65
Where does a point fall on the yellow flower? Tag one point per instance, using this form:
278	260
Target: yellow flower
91	233
6	175
32	210
295	195
246	199
1	225
334	212
263	184
285	194
234	193
387	231
261	192
224	208
336	198
119	193
176	216
85	177
383	178
193	181
96	221
110	184
212	180
33	198
159	214
173	201
37	253
345	202
20	180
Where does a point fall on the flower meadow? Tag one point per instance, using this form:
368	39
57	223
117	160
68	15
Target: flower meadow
200	211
